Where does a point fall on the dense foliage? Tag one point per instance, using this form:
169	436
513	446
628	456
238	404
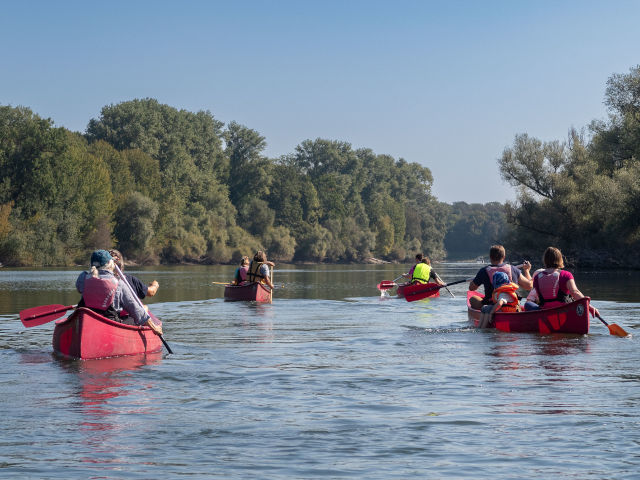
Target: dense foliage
168	185
582	195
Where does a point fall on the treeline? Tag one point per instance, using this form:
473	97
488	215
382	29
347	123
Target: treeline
169	186
583	194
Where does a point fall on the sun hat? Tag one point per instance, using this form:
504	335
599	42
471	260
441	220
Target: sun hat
100	258
499	279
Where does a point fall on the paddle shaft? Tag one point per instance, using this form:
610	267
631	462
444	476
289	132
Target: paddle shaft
424	293
135	295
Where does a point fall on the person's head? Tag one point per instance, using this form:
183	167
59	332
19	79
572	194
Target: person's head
244	262
426	260
260	256
117	258
418	257
499	279
497	254
552	258
101	260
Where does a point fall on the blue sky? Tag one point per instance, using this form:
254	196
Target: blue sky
444	84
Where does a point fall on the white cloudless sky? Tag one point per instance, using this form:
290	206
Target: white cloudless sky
445	84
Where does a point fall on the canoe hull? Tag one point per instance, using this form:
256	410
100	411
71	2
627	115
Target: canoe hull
256	292
570	318
88	335
407	289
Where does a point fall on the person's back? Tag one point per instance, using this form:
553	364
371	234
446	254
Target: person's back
485	275
421	273
240	275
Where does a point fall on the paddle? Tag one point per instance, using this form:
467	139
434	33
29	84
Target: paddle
387	284
614	329
419	295
32	317
438	277
124	279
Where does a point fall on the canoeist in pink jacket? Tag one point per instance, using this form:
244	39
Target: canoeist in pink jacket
105	294
552	285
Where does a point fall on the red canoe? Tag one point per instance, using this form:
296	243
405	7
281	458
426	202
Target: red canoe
570	318
426	290
85	335
253	291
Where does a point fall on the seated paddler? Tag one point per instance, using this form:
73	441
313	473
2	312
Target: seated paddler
423	273
504	296
259	269
107	295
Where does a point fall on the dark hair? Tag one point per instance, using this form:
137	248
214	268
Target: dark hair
497	253
419	257
117	258
426	260
552	258
260	256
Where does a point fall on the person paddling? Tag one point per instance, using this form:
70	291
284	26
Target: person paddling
259	269
484	277
423	272
553	286
103	293
240	276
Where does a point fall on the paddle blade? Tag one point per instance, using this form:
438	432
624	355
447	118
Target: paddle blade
615	329
32	317
386	285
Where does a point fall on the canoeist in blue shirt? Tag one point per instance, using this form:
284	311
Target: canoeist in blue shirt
485	275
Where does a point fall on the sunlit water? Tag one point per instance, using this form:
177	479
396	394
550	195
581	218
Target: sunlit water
330	381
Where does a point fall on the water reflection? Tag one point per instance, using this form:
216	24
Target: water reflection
101	386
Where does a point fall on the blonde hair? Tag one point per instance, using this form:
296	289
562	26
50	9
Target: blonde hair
552	258
244	261
107	266
260	256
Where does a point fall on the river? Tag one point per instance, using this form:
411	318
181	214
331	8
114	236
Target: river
330	381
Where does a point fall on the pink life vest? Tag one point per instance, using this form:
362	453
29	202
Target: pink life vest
492	269
99	293
547	284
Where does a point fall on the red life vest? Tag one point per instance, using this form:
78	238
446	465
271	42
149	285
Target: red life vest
547	284
513	305
98	293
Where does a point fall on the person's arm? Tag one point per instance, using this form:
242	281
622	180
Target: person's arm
152	288
497	306
525	280
436	277
577	295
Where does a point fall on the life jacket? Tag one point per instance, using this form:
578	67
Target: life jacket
491	269
253	274
98	295
421	273
241	275
547	284
513	304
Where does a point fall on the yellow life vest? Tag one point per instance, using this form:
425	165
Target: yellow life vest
513	305
421	273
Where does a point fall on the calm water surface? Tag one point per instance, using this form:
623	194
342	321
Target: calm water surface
330	381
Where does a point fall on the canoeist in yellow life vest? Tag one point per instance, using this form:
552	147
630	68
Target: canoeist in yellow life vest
422	272
259	269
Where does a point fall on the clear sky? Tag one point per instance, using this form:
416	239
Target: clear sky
447	84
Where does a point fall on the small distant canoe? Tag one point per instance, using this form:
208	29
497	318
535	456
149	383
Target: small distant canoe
426	290
256	292
570	318
87	335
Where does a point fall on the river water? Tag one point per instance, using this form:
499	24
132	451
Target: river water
330	381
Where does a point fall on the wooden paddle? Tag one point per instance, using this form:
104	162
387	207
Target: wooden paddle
420	294
614	329
124	280
32	317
